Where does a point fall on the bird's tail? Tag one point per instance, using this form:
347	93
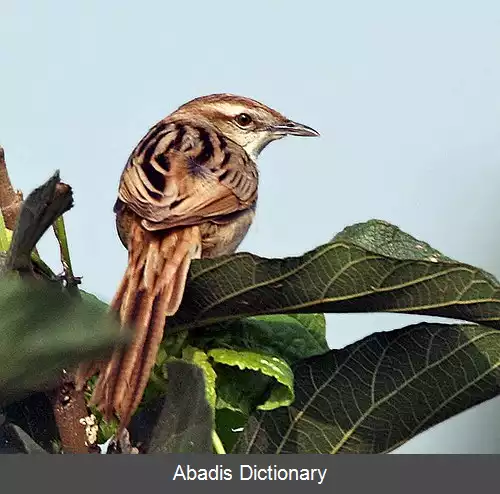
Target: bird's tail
151	289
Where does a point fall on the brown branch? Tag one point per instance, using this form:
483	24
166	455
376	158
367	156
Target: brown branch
72	418
10	200
30	220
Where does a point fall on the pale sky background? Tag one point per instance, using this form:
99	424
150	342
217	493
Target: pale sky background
406	95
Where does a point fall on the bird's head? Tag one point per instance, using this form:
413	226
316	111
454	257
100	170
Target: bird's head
246	122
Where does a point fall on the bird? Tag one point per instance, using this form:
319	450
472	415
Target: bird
188	191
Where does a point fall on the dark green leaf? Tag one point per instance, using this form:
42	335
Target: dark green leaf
388	240
290	337
43	330
378	393
185	422
357	272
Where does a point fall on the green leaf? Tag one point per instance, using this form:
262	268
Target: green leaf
96	303
358	271
379	392
106	430
185	422
43	330
232	386
200	358
290	337
315	325
388	240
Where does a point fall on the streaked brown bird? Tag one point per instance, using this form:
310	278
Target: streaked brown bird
188	190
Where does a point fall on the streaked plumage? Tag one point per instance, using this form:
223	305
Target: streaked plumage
188	190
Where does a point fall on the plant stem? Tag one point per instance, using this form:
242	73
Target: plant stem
217	443
62	239
68	419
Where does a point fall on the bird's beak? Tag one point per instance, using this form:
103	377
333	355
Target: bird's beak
294	129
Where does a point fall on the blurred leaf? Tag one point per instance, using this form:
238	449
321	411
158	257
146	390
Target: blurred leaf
43	330
96	303
359	271
185	422
288	336
379	392
233	387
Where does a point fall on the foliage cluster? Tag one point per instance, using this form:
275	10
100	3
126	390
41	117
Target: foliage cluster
245	366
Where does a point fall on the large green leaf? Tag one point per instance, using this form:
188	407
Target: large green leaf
360	270
43	330
388	240
289	336
379	392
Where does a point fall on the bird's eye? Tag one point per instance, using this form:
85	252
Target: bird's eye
243	119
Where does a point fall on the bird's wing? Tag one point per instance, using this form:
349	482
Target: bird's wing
183	174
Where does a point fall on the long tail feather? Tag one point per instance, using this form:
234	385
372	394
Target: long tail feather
151	290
